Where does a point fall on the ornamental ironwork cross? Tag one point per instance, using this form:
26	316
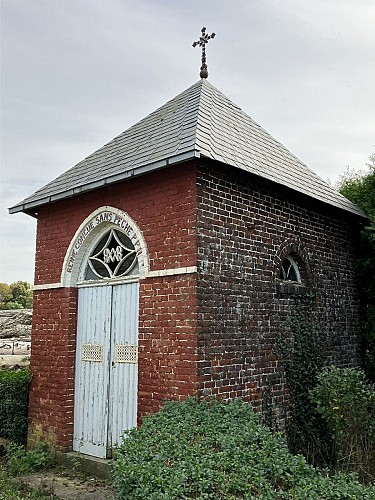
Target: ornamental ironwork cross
203	40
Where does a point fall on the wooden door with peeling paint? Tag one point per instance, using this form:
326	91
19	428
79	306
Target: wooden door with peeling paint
106	367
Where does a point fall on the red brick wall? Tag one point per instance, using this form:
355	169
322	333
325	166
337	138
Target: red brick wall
167	340
245	227
163	204
52	366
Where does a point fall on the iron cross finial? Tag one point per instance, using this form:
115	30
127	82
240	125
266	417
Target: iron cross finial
203	40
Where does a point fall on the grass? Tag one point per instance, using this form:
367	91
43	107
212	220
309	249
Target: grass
11	488
19	466
17	462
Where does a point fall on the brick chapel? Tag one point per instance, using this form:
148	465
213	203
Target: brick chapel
168	263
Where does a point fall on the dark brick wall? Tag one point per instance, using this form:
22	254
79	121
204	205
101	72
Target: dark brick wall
245	229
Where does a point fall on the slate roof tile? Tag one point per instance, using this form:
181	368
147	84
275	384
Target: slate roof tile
200	121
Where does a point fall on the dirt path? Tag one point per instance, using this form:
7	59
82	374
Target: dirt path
65	487
7	361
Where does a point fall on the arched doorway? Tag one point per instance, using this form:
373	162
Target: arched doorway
107	266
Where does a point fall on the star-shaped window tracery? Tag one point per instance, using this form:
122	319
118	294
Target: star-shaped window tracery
113	257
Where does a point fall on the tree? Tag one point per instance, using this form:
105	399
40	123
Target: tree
5	295
22	294
18	295
360	189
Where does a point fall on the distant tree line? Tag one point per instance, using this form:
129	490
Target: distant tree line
17	295
360	189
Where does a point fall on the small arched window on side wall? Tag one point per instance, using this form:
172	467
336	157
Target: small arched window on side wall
293	274
289	270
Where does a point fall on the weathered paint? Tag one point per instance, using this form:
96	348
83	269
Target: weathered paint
124	375
105	391
92	378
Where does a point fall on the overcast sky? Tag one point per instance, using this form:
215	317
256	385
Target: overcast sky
76	73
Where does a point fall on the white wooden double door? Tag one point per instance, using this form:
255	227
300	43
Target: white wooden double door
105	401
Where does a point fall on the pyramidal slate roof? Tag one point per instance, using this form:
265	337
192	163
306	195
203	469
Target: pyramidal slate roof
199	122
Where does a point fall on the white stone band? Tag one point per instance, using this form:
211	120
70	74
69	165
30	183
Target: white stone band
151	274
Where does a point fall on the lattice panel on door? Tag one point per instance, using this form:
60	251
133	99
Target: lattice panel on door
92	352
125	353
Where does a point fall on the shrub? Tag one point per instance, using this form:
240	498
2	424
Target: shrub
359	187
346	401
218	450
18	295
14	392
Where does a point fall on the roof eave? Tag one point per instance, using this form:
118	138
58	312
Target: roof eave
29	207
351	209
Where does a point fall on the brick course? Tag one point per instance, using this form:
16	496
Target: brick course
167	341
162	203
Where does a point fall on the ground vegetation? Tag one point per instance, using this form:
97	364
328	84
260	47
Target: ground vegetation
216	449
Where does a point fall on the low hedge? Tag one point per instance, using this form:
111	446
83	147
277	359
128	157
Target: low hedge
218	450
14	394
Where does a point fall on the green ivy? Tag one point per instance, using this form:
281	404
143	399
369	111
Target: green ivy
302	356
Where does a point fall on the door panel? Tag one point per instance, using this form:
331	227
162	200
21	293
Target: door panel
92	371
106	367
124	373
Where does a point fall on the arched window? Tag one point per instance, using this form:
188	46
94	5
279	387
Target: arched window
114	256
289	270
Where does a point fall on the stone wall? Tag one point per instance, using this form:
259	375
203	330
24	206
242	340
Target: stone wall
15	323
